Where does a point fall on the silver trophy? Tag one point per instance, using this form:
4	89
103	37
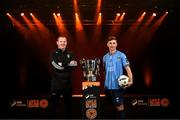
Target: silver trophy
90	69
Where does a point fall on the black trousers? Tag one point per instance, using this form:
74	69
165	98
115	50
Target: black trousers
66	96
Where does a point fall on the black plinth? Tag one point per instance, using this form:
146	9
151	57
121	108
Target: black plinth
91	100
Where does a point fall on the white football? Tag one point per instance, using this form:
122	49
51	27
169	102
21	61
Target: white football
123	81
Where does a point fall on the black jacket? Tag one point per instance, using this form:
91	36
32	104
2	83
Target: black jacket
61	71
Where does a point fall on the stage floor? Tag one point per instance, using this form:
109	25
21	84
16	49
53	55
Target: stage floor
136	107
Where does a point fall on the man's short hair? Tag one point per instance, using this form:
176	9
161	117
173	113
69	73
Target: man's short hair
61	37
111	38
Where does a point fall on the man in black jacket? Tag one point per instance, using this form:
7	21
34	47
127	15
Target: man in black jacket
63	63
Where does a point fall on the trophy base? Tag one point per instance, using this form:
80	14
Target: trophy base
90	78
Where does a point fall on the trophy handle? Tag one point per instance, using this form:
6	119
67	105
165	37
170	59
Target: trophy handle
97	60
97	72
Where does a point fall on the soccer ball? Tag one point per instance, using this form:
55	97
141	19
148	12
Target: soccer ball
123	81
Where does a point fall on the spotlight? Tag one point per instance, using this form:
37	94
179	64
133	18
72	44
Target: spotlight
22	14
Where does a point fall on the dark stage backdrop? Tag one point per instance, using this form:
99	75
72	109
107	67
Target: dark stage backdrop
25	61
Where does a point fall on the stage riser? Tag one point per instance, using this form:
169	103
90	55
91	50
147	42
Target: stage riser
136	106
